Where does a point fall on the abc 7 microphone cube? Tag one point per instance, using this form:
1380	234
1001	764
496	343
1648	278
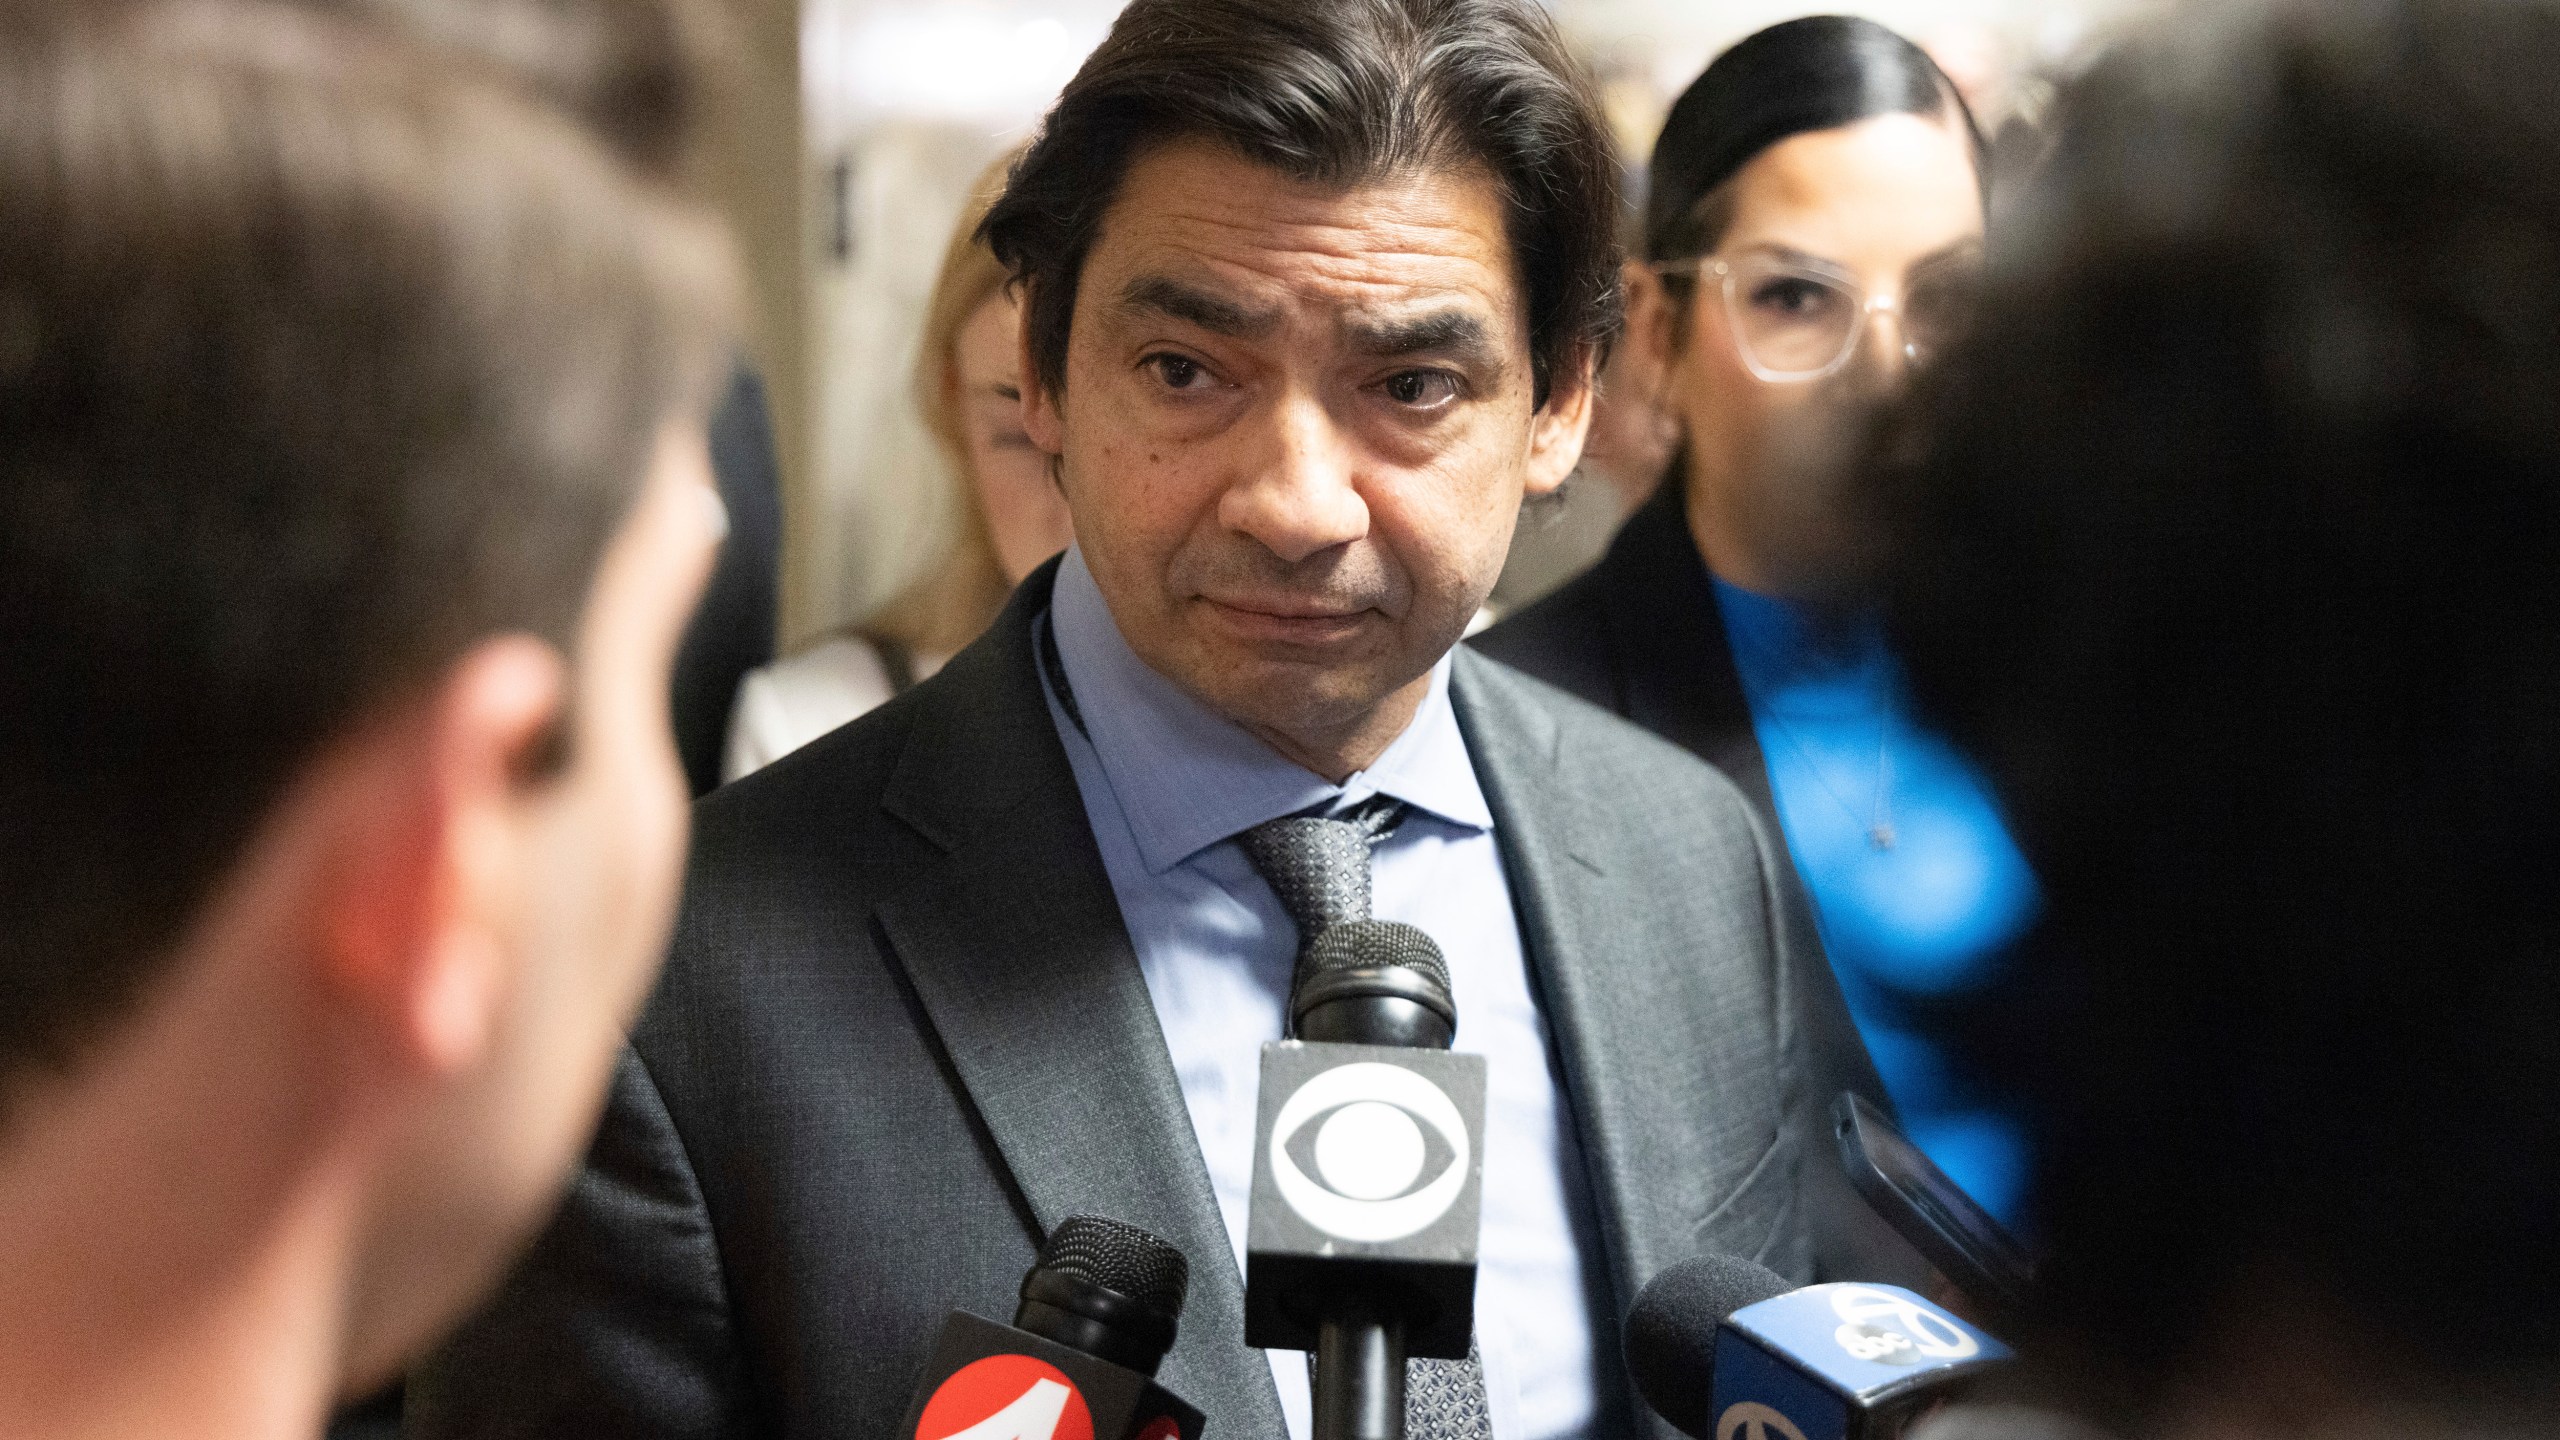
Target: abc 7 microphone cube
1840	1362
1368	1174
987	1381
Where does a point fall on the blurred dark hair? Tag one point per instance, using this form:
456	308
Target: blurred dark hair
1338	92
647	78
320	360
2231	546
1793	78
644	76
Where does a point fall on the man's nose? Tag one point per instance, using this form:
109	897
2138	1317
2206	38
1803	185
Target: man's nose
1298	497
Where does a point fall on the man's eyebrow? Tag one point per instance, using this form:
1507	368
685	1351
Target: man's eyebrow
1156	294
1459	334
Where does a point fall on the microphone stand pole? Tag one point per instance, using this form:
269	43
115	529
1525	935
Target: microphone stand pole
1359	1374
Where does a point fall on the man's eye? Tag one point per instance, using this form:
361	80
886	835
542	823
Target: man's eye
1178	372
1422	389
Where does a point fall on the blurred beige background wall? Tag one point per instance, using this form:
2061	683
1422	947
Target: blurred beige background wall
759	180
904	102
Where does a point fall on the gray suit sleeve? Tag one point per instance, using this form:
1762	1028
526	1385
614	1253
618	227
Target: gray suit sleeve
1825	1056
616	1326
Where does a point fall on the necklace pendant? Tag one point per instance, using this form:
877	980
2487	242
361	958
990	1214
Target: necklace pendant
1881	837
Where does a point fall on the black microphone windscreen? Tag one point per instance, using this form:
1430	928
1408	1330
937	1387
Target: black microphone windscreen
1371	944
1671	1332
1121	1258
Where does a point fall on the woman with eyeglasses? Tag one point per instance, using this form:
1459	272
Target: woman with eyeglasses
1812	230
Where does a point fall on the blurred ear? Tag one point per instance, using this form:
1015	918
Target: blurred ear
1559	427
1653	325
1040	418
421	901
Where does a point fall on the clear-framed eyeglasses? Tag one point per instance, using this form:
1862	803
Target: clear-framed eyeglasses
1796	320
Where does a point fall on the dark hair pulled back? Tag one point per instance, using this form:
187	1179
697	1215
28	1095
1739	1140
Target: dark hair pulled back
1817	73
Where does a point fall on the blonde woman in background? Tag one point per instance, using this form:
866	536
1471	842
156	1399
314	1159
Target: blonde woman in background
968	385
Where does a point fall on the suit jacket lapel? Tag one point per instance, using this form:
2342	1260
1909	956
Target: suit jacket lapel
1017	952
1587	921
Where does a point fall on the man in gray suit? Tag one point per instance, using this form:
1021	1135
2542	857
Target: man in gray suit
1313	296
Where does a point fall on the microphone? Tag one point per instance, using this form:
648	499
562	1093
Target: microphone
1368	1176
1724	1350
1671	1333
1374	982
1097	1314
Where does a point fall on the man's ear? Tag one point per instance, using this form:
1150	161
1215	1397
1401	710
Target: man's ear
1559	427
1040	418
422	902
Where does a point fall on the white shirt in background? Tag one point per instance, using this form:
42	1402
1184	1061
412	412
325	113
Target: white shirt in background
796	699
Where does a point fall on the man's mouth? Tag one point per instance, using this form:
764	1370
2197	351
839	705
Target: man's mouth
1287	619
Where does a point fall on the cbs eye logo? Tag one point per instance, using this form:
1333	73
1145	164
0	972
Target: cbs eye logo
1370	1152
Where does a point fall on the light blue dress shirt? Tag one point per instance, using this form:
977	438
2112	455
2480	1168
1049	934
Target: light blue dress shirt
1167	785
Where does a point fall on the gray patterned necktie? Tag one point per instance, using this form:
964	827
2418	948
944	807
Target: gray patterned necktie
1319	867
1444	1399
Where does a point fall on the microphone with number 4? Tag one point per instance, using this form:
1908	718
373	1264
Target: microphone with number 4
1725	1350
1079	1360
1368	1176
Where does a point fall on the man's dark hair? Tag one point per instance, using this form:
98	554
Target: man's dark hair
320	360
2231	546
1337	92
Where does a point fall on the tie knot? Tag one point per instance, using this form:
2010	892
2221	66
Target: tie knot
1319	865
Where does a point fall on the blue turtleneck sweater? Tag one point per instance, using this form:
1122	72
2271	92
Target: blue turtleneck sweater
1914	879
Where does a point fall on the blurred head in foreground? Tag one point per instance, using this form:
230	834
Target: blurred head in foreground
2231	545
352	494
646	77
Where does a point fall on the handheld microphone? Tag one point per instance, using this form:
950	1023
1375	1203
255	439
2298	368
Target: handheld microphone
1368	1176
1097	1315
1724	1350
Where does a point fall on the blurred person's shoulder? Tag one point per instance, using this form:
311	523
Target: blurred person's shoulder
1643	594
1562	637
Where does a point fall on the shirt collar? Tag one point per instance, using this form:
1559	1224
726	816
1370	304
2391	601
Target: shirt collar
1188	777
